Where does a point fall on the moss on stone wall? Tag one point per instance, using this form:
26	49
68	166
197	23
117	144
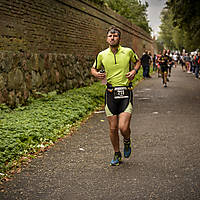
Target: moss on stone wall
51	44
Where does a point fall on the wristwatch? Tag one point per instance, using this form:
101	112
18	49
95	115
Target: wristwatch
135	70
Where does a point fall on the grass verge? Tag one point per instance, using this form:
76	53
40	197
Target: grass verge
28	129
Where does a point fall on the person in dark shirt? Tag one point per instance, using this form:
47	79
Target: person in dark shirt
145	61
171	63
154	63
164	62
148	75
187	62
197	65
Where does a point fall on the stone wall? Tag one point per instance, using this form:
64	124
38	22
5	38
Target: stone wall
48	45
25	74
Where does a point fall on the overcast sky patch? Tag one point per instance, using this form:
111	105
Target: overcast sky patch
154	10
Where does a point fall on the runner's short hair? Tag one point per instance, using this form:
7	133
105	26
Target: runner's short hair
114	29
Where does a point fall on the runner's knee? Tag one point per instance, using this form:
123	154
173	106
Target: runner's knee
114	130
124	129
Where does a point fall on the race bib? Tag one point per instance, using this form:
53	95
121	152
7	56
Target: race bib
121	93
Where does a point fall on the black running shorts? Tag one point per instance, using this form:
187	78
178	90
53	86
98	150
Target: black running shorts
116	106
164	69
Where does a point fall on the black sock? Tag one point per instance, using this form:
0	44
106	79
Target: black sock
118	153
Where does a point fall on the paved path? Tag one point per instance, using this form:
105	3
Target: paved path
165	163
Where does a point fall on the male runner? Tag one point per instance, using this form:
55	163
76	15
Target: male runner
171	63
116	61
164	61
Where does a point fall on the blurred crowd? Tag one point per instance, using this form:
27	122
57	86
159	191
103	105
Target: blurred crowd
190	63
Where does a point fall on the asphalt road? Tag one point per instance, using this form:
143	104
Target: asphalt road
165	163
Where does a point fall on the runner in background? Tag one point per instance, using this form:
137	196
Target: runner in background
164	62
154	62
187	62
158	65
175	59
171	63
182	62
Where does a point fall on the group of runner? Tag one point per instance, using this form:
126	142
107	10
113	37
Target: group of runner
163	63
190	63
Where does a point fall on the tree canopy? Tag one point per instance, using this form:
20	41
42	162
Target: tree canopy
180	26
133	10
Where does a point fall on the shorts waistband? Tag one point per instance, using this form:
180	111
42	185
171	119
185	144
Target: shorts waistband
111	88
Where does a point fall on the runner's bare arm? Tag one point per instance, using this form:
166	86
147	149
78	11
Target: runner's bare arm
97	74
130	75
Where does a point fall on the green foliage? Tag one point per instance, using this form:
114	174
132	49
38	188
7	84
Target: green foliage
133	10
99	2
186	18
159	44
138	77
166	34
171	37
25	129
39	124
178	38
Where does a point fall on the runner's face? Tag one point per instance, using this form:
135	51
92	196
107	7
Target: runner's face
113	39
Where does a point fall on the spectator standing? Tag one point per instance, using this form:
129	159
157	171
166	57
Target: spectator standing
158	64
175	59
193	66
154	62
170	62
187	62
182	61
197	65
145	61
148	75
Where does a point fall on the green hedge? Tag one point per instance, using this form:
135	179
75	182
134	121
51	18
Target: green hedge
27	128
39	124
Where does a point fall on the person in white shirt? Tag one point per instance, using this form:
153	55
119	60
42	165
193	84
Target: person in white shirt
175	59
